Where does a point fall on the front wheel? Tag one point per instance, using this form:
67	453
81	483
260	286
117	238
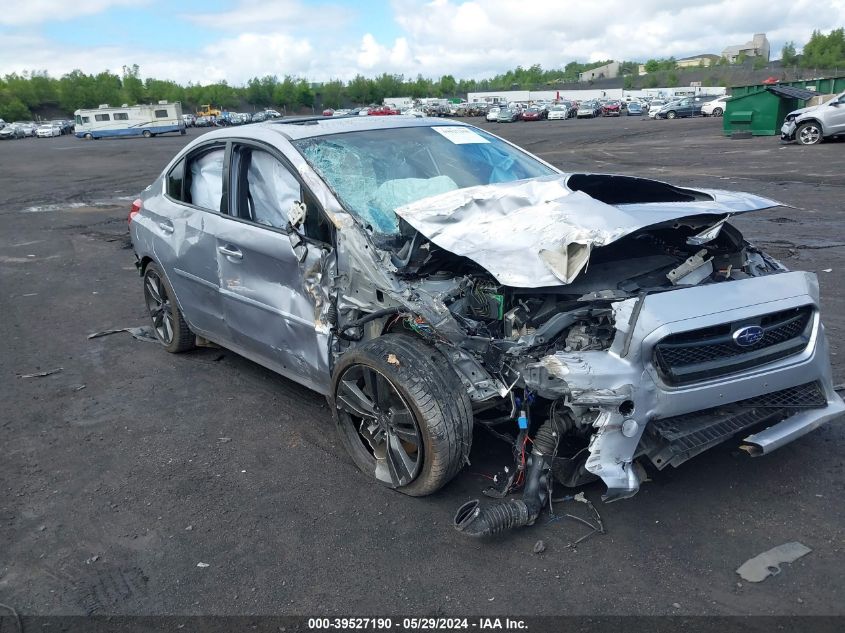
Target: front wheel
809	133
402	413
671	114
168	324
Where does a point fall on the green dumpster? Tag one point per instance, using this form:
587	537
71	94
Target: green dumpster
761	113
761	108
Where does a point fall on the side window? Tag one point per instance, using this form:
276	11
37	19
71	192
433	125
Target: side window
160	114
206	179
86	119
264	189
101	117
175	181
121	116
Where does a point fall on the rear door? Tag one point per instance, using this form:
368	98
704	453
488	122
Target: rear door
271	314
185	222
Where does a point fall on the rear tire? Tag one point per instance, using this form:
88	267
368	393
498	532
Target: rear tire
402	413
717	112
147	134
169	326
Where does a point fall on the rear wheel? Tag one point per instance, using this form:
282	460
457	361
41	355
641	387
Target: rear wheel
168	324
809	133
718	111
402	413
147	134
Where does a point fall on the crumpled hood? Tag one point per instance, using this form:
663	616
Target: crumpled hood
537	232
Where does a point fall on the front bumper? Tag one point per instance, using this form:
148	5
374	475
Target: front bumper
787	130
624	386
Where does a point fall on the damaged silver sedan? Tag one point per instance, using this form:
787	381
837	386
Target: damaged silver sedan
427	277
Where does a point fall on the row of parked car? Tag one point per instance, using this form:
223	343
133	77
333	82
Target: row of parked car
230	118
25	129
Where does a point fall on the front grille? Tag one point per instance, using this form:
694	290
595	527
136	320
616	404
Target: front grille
711	352
676	439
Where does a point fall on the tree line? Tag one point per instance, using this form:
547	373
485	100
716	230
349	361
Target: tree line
22	93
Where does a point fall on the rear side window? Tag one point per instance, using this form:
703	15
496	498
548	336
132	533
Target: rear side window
176	180
121	116
102	117
161	114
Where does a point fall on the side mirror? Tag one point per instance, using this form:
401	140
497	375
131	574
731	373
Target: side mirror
296	214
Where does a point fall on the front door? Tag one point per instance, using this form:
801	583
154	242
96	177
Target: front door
271	316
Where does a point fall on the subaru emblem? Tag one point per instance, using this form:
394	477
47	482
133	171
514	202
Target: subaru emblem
748	335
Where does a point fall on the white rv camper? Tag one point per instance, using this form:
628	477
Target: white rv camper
139	120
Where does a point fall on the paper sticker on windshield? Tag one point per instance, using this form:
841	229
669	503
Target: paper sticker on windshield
460	135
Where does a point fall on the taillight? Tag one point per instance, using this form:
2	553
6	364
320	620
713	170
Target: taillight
134	210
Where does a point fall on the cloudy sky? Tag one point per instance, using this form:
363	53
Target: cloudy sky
208	40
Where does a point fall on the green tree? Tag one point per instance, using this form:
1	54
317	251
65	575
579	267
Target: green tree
332	94
672	79
759	63
788	56
304	94
628	82
824	51
652	66
447	86
12	108
132	89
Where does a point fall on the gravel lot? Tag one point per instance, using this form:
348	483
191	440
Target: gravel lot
123	471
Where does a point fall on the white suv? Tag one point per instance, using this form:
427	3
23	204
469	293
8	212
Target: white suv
810	125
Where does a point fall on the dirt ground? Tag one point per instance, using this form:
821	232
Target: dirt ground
125	470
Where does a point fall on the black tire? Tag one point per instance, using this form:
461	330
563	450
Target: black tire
414	378
671	114
169	325
147	134
809	133
718	112
89	137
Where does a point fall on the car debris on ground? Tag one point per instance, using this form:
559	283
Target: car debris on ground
768	563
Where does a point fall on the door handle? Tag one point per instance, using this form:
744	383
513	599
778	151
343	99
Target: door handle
230	251
166	227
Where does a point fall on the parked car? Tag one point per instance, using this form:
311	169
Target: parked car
272	114
630	321
11	131
611	108
557	112
383	111
678	109
654	107
634	109
809	126
533	113
588	110
204	121
48	130
715	107
493	114
508	115
28	127
258	117
189	119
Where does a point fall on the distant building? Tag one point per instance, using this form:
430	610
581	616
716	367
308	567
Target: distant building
697	61
608	71
757	47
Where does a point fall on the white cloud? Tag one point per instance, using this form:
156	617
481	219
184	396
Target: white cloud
40	11
276	16
467	39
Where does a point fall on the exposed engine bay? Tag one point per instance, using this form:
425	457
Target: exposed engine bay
556	370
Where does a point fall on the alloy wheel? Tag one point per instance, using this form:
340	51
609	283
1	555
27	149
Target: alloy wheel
159	307
810	135
380	423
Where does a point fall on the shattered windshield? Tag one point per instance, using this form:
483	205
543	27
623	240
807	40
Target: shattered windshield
374	172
